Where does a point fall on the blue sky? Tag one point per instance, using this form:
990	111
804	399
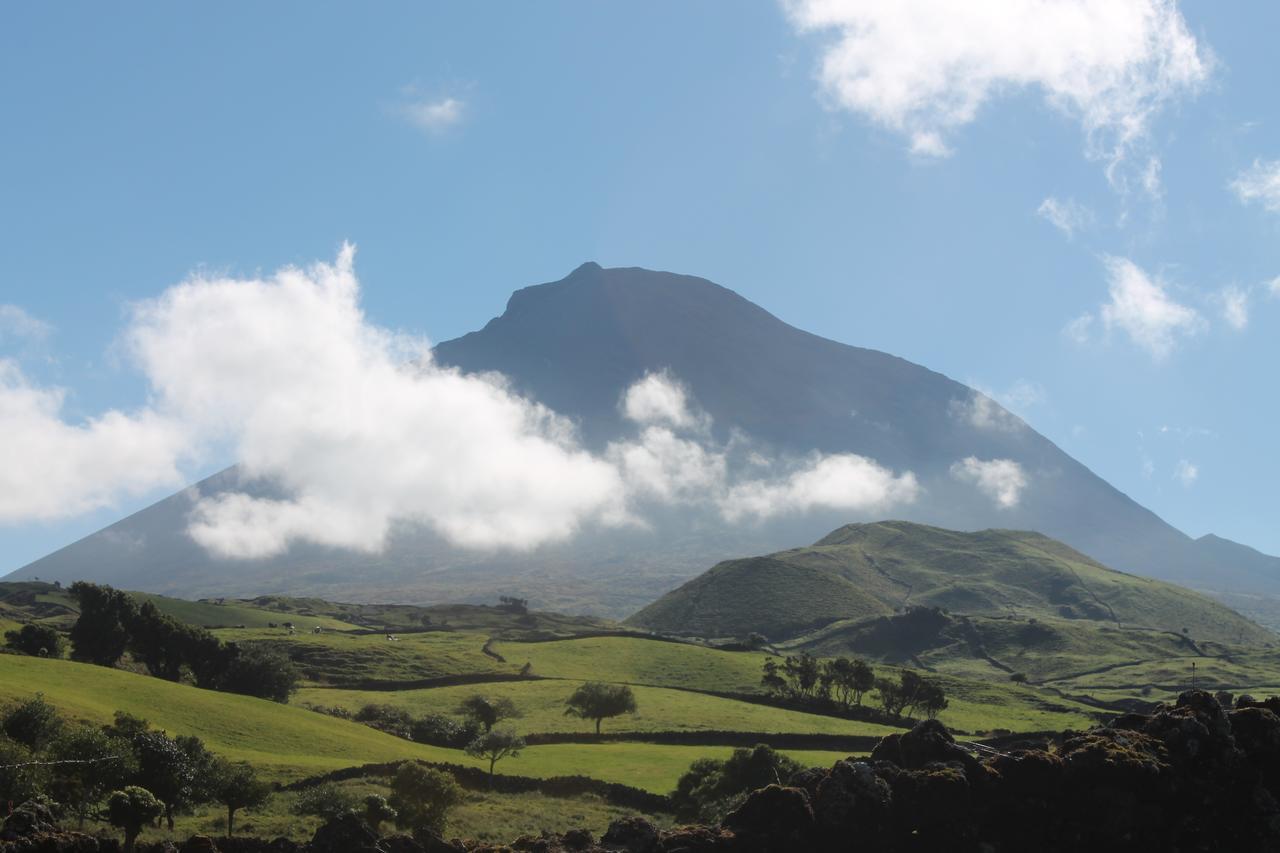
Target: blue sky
471	149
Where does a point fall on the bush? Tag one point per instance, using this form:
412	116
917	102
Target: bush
387	718
423	797
326	801
262	671
439	730
32	723
131	809
36	640
712	788
18	783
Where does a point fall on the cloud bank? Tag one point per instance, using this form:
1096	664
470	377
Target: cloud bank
355	430
924	68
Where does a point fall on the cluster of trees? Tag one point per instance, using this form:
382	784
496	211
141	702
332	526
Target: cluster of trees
805	677
112	622
845	682
712	788
126	774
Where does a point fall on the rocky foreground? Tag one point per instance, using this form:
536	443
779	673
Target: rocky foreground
1193	776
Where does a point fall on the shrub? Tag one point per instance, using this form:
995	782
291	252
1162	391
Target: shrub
262	671
131	809
32	723
36	640
422	797
326	801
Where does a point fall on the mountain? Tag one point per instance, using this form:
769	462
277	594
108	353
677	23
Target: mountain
863	571
575	345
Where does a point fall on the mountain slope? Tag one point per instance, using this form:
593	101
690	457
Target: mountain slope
575	345
869	570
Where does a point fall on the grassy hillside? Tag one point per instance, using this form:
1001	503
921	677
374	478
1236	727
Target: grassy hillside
867	570
287	742
658	709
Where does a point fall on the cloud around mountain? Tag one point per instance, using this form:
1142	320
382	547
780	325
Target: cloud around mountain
345	430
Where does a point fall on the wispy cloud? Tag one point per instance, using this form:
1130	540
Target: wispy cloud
1139	305
1067	216
1234	302
1260	183
1186	473
924	68
16	323
434	115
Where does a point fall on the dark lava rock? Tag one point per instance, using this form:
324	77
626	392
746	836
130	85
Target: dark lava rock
632	834
773	819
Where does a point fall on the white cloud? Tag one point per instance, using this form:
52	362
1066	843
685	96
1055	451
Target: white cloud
18	324
354	430
1141	307
1002	480
434	116
924	68
355	423
1186	473
1067	216
657	398
1274	286
1235	307
50	468
842	482
1260	183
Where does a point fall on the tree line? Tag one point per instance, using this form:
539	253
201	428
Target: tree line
112	623
845	682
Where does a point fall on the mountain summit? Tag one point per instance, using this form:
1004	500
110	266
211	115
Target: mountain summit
575	345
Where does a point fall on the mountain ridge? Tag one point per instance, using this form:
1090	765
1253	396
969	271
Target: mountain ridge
575	345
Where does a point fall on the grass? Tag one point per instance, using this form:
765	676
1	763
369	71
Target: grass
209	614
635	660
658	709
331	658
287	743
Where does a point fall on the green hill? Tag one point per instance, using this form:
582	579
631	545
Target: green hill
864	571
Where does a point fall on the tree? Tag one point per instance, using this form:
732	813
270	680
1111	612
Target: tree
495	745
101	633
511	604
892	698
131	809
97	763
36	640
237	786
378	811
423	796
932	700
1018	677
771	680
802	672
486	711
32	722
168	770
262	671
597	701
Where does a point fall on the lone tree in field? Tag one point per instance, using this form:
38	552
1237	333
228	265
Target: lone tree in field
487	711
597	701
494	746
237	786
131	809
422	797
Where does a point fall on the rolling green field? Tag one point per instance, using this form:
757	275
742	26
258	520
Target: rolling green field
659	710
332	658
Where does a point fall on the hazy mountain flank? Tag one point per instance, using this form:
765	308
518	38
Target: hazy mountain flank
574	345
